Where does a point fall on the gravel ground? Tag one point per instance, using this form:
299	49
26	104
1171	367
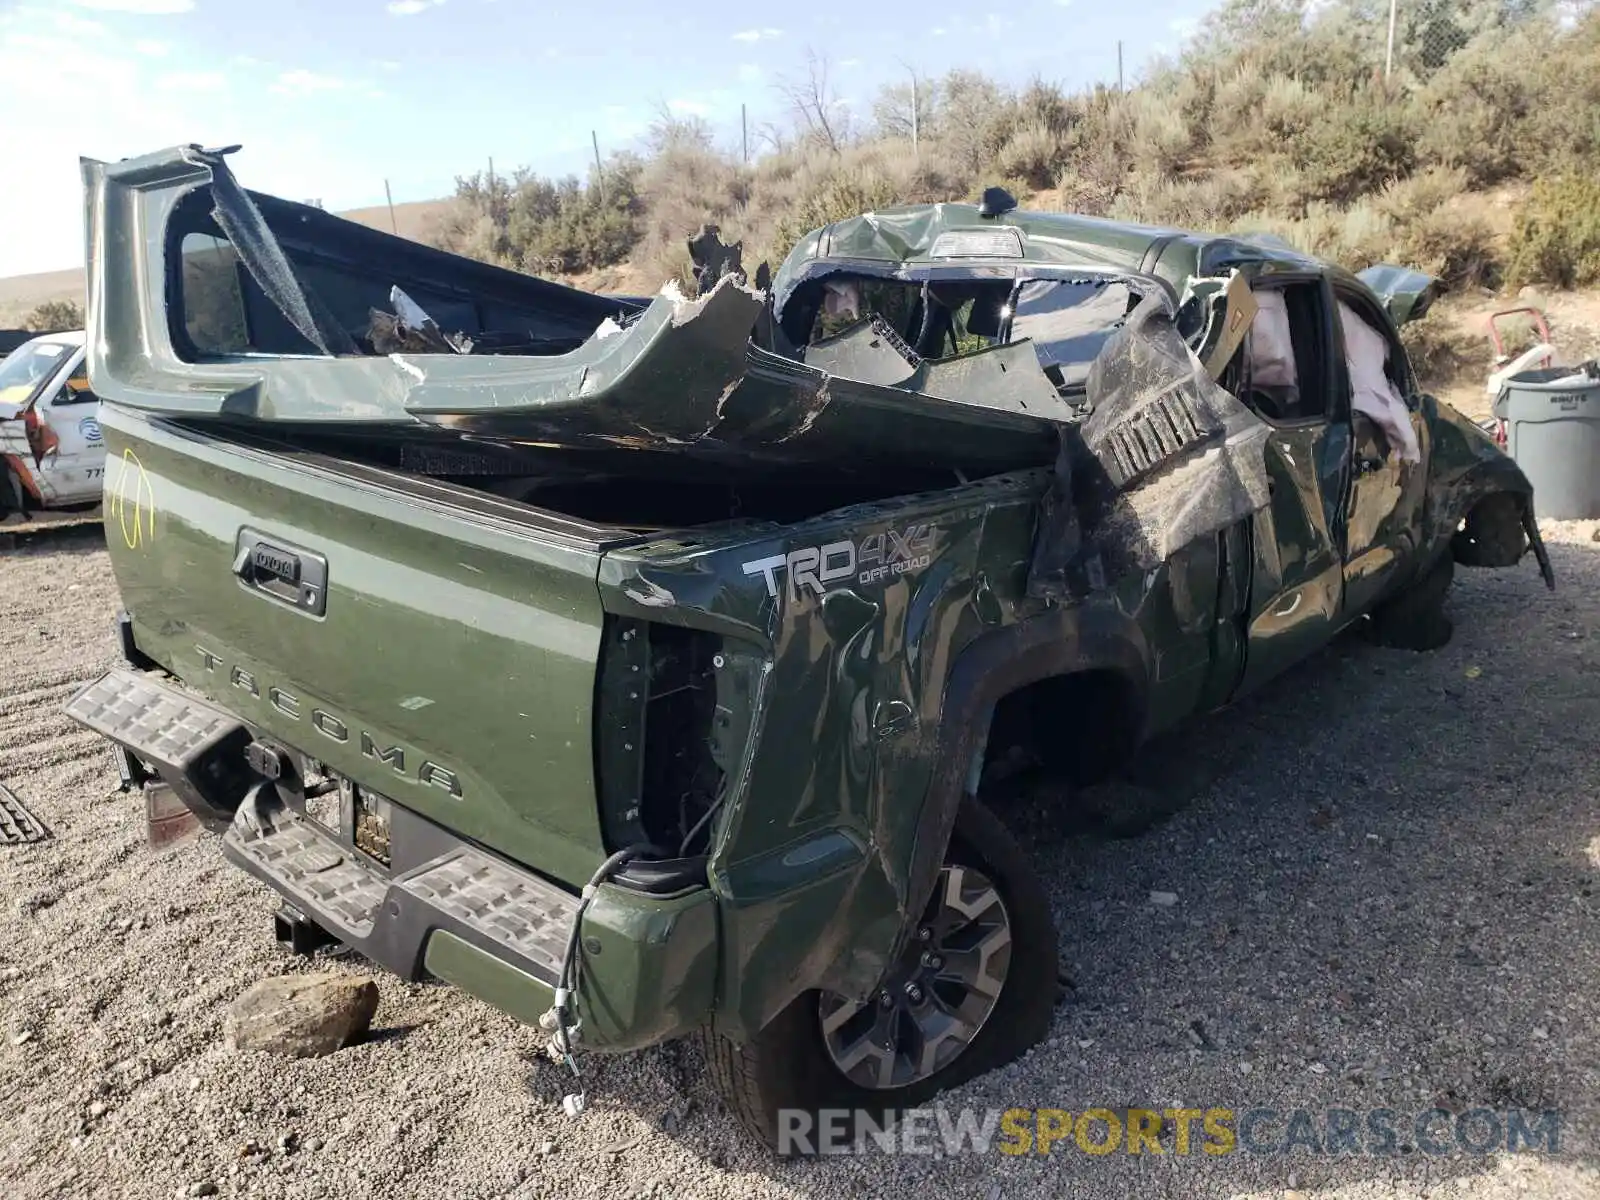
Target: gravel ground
1385	894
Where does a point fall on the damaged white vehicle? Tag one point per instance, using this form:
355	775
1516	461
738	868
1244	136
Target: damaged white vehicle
52	455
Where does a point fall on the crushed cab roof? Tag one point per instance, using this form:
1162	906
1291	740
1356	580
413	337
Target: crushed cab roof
910	234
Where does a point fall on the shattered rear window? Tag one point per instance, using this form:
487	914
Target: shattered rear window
846	301
973	309
1069	321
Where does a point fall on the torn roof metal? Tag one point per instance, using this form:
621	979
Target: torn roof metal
685	377
681	376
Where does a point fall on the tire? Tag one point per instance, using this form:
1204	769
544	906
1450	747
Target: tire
1415	620
788	1066
10	492
1494	536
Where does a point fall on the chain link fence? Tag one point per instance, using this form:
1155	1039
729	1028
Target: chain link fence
1420	36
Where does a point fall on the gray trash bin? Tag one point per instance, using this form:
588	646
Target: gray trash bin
1552	421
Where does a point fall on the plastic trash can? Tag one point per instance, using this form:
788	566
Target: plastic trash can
1552	418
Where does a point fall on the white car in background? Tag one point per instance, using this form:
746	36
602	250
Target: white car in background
52	456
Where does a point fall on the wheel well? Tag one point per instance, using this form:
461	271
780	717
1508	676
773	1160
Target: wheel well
1491	532
1079	726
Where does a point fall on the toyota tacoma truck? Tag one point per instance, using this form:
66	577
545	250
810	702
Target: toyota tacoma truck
640	666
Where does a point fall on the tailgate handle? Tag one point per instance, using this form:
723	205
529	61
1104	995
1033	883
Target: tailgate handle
281	571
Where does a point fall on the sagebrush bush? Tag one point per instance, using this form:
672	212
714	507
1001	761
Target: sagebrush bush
1420	194
1091	180
685	183
1208	202
543	226
1288	110
1033	152
1158	137
54	316
1474	114
1238	125
1556	237
1355	148
1458	248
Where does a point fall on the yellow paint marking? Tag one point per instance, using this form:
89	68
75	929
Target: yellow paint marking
130	501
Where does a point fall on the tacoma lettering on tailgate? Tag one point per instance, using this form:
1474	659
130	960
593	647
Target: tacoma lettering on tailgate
332	726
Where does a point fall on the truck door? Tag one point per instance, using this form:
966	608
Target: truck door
76	470
1288	375
1386	490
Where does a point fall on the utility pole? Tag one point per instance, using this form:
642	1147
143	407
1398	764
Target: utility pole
915	151
1120	90
389	196
744	133
599	171
915	107
1388	58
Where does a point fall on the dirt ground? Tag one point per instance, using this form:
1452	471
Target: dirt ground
1385	895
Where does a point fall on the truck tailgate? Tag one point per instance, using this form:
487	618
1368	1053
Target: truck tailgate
435	646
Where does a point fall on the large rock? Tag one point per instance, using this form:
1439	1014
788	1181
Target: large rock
301	1016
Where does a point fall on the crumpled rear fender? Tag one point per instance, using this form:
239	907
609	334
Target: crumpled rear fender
858	916
1465	466
1097	635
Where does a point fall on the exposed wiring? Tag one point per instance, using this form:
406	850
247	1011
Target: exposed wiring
559	1021
705	819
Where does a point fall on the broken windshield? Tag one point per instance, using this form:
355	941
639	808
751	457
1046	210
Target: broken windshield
27	367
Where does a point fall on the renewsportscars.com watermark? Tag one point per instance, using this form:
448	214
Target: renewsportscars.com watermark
1179	1132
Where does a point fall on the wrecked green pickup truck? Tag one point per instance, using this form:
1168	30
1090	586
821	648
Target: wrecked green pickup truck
638	665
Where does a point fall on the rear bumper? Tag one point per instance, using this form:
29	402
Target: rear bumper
647	963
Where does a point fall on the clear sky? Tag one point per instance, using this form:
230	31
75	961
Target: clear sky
332	97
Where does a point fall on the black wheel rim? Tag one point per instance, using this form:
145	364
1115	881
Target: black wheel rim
936	999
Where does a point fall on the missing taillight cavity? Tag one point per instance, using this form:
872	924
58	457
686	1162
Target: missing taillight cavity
657	744
682	781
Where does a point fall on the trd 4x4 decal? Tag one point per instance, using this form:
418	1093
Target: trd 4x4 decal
822	568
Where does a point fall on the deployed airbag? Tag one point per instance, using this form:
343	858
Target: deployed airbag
1371	390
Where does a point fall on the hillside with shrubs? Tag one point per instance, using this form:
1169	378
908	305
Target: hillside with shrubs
1477	158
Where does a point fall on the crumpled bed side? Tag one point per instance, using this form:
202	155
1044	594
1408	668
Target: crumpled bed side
1167	456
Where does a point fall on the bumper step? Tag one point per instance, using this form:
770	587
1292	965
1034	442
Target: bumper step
163	725
439	882
314	871
513	915
511	908
195	747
